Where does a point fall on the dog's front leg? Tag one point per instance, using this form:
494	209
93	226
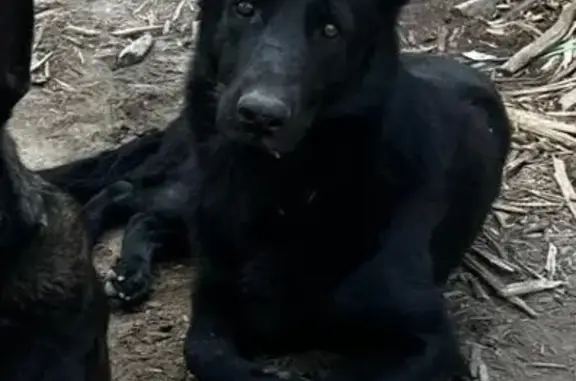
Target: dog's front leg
210	351
394	304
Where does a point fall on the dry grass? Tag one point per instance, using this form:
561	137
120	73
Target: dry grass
514	297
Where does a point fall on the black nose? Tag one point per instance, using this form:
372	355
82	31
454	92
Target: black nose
262	111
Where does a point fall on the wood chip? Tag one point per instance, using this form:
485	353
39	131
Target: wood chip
83	31
529	287
499	205
475	8
551	260
483	374
138	30
475	360
136	51
475	55
563	182
568	100
554	34
557	136
539	121
178	11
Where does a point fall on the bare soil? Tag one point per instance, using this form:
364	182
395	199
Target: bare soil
84	103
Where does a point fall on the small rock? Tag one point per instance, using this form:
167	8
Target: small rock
136	51
154	304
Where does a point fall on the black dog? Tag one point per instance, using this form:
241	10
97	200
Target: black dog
53	312
332	184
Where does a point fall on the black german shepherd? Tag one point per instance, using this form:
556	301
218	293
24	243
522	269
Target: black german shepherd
53	311
332	184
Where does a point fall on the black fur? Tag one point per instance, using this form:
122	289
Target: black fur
331	183
53	312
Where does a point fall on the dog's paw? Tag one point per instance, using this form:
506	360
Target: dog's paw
129	283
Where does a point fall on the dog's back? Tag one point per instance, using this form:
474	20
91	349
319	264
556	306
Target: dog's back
53	314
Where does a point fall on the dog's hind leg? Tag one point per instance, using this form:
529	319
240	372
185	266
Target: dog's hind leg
111	207
155	224
158	214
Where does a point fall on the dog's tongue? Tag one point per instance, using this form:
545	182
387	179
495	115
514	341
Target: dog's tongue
271	146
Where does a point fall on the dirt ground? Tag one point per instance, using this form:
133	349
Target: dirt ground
84	102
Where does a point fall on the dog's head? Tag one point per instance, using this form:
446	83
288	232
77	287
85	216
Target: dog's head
16	34
281	61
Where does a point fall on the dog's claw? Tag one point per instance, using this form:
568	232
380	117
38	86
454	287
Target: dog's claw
127	285
109	290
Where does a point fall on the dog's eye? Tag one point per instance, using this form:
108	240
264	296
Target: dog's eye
245	8
330	31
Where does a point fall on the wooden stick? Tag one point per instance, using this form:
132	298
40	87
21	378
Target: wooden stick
496	284
475	8
563	182
547	39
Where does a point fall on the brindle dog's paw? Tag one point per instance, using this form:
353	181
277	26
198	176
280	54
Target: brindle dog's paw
128	282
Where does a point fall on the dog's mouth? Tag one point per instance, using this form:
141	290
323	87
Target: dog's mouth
265	144
268	143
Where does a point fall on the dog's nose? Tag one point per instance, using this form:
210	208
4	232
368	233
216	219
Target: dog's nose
262	111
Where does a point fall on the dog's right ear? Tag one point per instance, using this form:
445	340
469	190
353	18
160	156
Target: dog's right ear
16	38
393	6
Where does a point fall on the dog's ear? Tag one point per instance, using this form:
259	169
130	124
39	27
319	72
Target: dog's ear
16	38
391	5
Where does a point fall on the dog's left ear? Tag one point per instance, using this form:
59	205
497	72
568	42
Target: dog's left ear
16	38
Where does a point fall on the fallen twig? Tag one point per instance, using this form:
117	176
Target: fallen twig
498	286
83	31
528	269
138	30
539	45
494	260
548	365
36	65
529	287
539	125
477	288
563	182
508	208
495	245
523	117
